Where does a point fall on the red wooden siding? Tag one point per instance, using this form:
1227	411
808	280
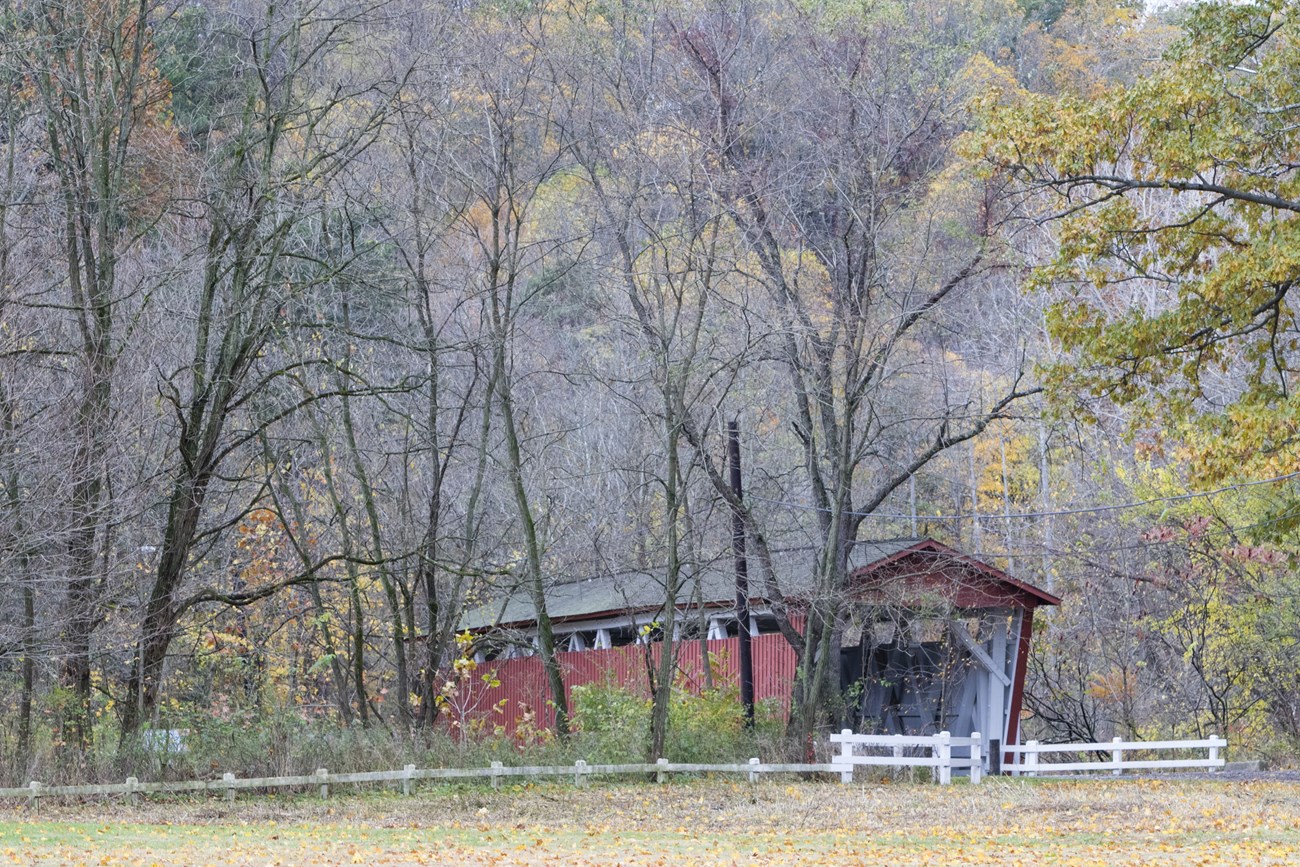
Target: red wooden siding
523	683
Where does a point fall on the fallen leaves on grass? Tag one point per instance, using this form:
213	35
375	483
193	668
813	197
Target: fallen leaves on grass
1001	822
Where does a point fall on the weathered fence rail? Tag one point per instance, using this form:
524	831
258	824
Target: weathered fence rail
1028	757
229	784
937	753
942	752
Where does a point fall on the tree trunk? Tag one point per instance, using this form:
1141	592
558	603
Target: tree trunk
535	579
396	609
158	627
661	698
282	495
25	579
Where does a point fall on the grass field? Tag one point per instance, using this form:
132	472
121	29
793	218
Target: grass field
1000	822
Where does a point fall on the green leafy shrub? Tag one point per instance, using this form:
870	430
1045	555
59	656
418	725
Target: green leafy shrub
613	724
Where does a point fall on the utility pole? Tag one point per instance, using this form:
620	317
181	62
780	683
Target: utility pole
911	499
742	577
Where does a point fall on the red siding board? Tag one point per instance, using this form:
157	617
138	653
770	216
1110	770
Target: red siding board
524	688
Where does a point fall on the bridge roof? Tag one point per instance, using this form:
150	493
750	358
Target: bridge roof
905	571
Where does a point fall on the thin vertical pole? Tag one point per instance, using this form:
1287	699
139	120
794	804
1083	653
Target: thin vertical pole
911	498
742	577
1006	508
1045	502
976	536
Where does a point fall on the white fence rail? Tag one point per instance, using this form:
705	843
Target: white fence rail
899	751
1028	759
229	784
937	754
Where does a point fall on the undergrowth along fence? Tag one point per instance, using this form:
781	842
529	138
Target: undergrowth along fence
1123	756
229	784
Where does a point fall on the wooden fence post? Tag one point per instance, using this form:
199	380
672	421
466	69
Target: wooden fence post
34	796
976	760
753	775
229	779
943	749
406	779
132	796
661	775
323	776
1029	759
846	755
579	772
1117	756
496	775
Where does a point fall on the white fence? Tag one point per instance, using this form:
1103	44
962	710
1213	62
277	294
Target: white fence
937	754
941	752
1028	758
322	778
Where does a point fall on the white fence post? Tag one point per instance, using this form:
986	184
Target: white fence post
661	775
323	776
976	759
579	771
496	775
753	775
407	773
229	779
1029	758
1214	753
1117	756
846	756
943	749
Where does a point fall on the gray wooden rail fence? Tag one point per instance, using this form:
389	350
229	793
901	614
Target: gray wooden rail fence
940	758
229	784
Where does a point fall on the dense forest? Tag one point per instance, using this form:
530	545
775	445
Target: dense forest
322	320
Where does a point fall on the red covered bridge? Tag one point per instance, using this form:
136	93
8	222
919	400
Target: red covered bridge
937	639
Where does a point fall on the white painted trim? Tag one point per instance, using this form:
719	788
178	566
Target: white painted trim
624	621
1013	659
999	683
981	656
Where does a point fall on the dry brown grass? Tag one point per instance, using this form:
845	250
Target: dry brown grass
1002	821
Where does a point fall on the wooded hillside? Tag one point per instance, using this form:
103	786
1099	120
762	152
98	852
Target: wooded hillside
322	321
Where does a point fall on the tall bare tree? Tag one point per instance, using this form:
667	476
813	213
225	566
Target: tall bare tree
91	69
831	134
667	247
264	187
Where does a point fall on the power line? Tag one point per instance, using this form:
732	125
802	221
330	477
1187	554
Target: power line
1082	510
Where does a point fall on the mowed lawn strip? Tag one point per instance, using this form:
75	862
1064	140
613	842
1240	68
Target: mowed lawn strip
1003	821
